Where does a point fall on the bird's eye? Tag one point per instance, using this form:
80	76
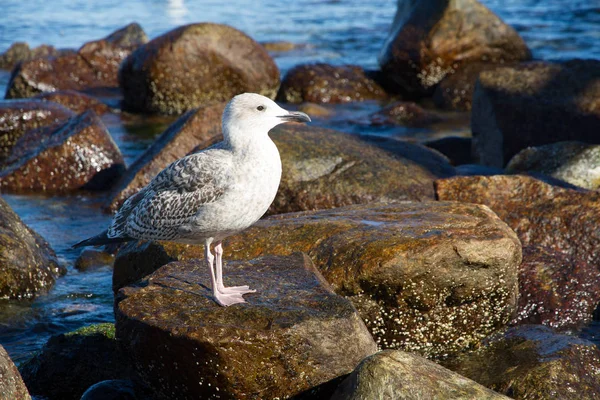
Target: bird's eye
260	108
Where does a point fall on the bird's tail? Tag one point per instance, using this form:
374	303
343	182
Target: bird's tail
99	240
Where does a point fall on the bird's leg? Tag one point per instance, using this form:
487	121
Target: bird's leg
219	268
221	298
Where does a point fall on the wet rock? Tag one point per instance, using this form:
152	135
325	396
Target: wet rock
80	154
11	383
93	259
404	113
280	47
560	225
429	277
179	139
394	374
324	83
315	110
573	162
19	116
438	37
534	104
457	149
116	389
28	265
292	335
70	363
74	101
94	65
321	168
455	91
195	65
19	51
533	362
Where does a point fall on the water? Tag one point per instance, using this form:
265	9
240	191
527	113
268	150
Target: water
335	32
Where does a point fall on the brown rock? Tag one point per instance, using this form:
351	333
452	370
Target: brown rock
429	277
181	137
323	83
280	47
439	37
11	383
195	65
557	227
397	375
74	101
95	65
292	335
80	154
28	266
19	116
534	104
533	362
19	51
321	168
404	113
93	258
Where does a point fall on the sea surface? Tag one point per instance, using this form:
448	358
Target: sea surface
335	32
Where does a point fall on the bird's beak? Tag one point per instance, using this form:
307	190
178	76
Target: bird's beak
295	116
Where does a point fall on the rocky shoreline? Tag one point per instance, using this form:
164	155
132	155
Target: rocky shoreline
457	268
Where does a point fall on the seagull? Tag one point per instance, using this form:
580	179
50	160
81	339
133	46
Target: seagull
211	194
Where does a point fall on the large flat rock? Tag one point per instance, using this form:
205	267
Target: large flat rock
293	334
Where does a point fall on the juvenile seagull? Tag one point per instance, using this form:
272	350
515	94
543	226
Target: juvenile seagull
209	195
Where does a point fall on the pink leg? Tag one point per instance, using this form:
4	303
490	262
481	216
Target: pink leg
219	268
221	298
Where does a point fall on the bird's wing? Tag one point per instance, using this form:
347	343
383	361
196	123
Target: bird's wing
175	195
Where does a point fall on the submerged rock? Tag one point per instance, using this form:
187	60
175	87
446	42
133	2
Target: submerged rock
115	389
19	116
28	265
195	65
80	154
94	65
534	104
432	277
397	375
533	362
92	259
324	83
573	162
290	336
70	363
558	229
436	38
74	101
404	113
11	384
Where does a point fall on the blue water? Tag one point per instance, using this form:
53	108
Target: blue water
336	32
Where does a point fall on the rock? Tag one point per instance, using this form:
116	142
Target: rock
316	110
19	116
70	363
93	259
129	37
430	277
439	37
455	90
280	47
457	149
74	101
557	278
94	65
19	51
28	266
11	383
324	83
573	162
534	104
77	155
533	362
290	336
195	65
394	374
321	168
179	139
404	113
116	389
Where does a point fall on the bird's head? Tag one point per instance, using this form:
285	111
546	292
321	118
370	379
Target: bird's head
253	114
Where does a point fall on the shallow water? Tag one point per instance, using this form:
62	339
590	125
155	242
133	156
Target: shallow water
336	32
